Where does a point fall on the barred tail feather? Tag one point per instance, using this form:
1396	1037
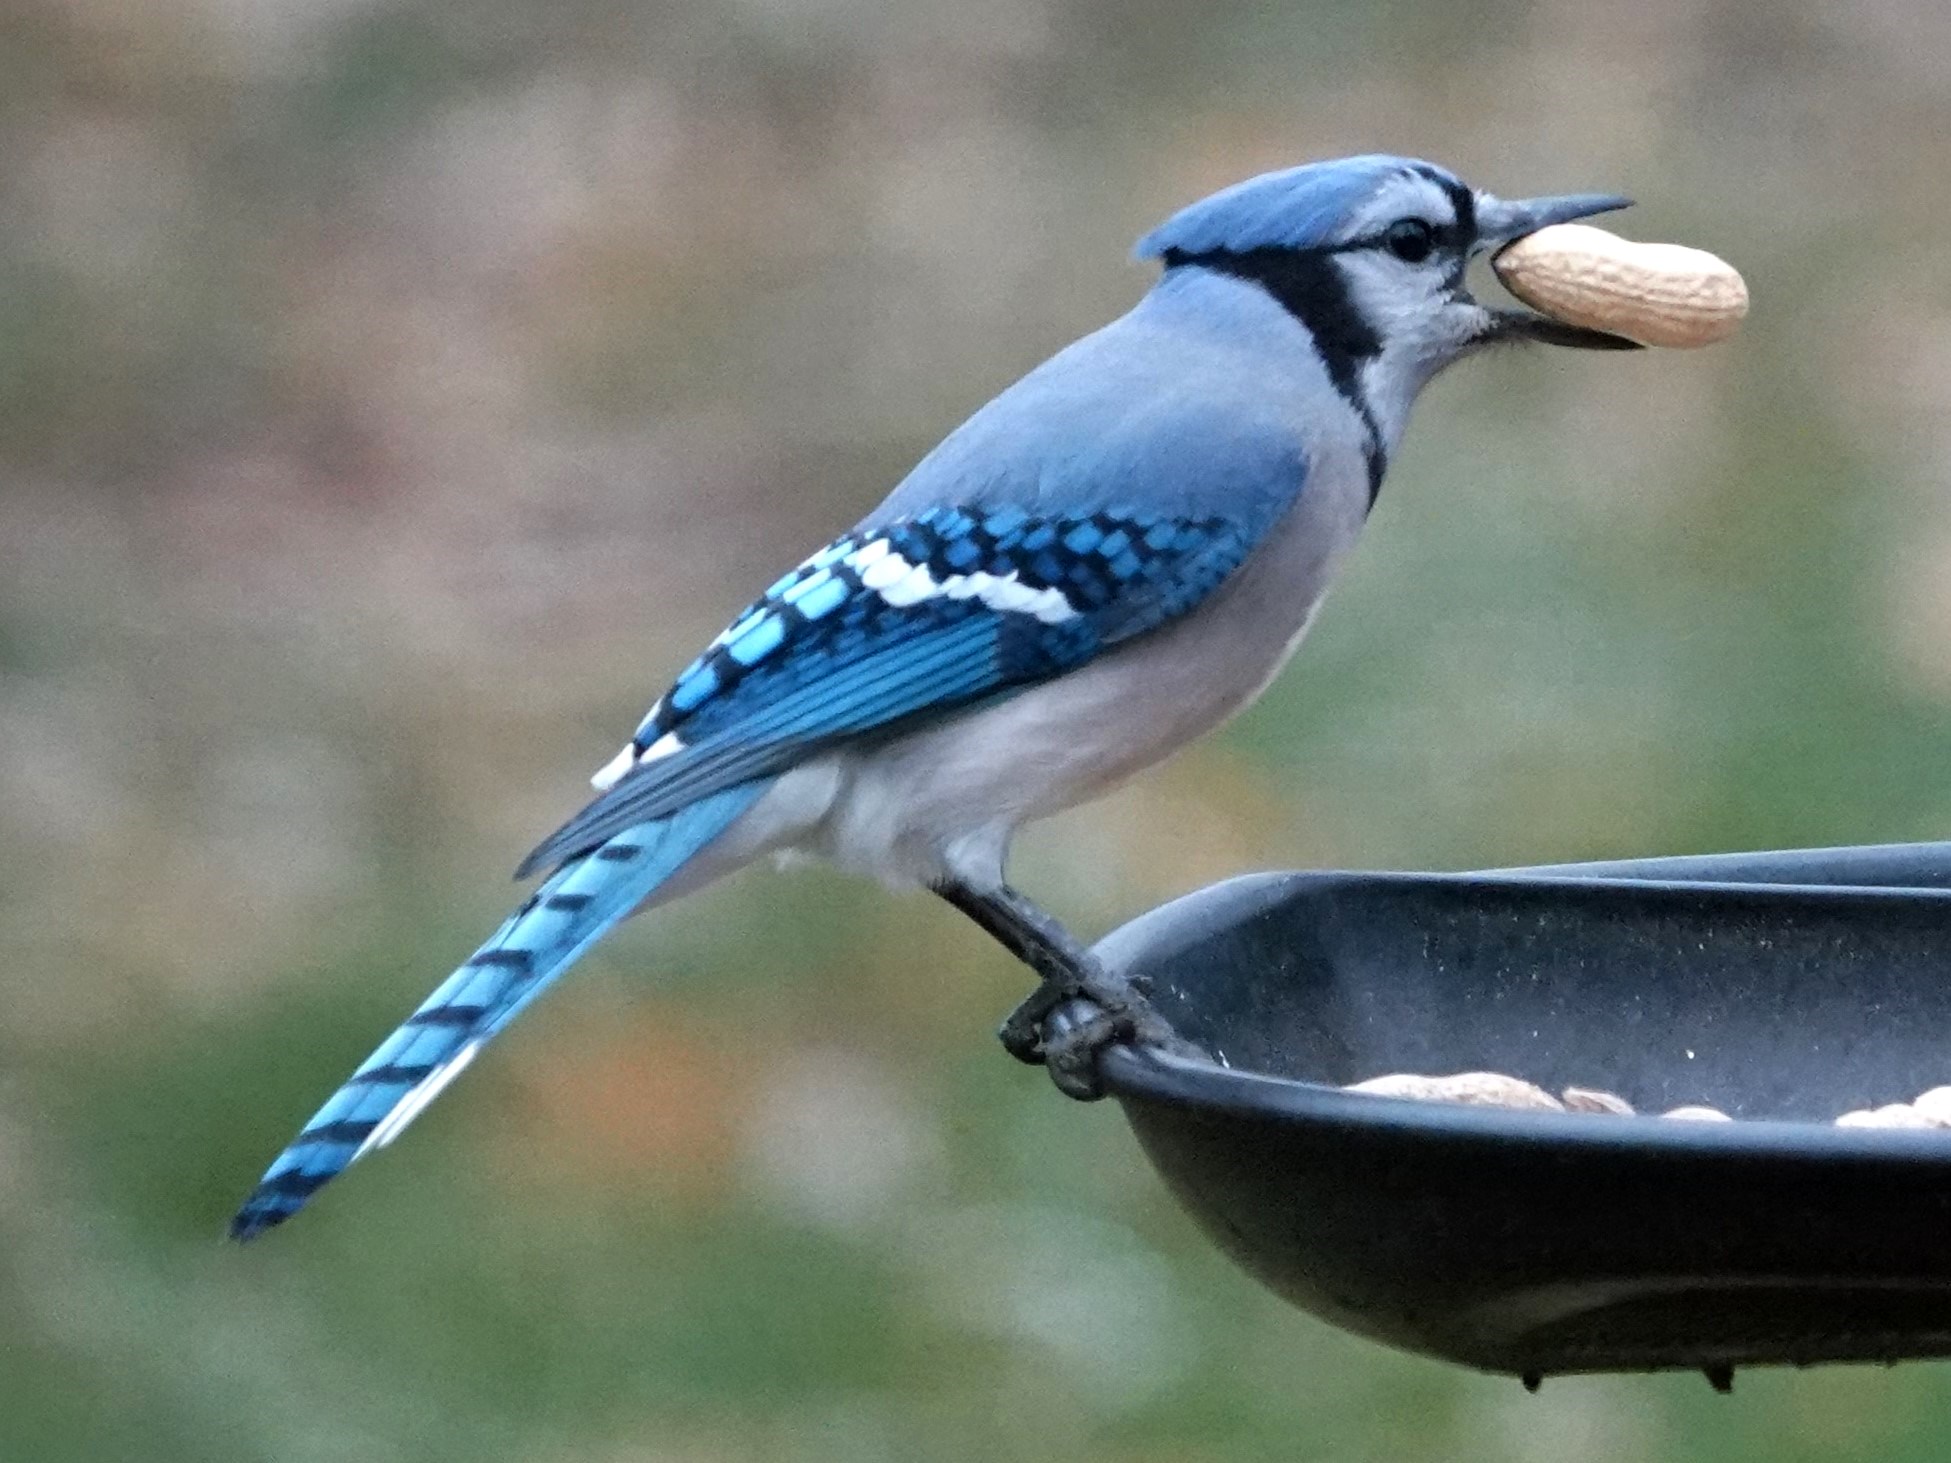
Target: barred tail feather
575	907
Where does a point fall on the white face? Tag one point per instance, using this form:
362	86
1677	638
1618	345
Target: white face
1402	256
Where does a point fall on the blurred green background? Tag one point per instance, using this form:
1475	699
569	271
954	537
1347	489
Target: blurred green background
392	396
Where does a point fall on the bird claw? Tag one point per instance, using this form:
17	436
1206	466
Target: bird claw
1022	1030
1039	1032
1070	1055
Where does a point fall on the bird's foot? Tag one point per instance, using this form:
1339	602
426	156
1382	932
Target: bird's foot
1022	1030
1113	1009
1078	1009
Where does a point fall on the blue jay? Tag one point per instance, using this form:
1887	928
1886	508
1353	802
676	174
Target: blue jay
1108	560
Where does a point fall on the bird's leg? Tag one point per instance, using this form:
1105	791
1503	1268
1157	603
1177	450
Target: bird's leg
1067	971
1040	942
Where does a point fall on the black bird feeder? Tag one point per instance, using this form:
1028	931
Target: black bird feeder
1782	988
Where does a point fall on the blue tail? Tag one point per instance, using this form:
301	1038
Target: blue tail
574	908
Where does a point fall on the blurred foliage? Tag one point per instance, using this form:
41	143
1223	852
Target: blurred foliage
392	394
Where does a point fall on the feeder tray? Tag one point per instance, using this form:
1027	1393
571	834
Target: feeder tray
1781	988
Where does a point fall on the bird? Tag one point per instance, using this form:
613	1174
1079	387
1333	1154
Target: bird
1108	560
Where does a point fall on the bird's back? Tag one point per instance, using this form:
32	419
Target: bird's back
1206	393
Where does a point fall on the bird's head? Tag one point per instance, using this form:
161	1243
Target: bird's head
1370	254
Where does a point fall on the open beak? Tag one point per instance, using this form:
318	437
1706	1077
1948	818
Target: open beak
1501	222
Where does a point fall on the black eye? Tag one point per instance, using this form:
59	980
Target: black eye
1410	240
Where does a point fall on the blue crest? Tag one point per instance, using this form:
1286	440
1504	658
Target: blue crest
1288	209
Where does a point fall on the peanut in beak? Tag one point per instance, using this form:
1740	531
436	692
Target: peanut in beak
1656	294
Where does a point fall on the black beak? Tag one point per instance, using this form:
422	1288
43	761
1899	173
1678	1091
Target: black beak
1524	325
1501	222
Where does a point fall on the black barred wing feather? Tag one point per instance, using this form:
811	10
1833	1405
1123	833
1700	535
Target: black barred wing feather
920	616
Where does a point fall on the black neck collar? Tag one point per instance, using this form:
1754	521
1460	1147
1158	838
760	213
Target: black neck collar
1310	286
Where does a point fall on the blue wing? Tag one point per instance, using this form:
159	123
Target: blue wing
918	616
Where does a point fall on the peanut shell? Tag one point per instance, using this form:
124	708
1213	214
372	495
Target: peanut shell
1656	294
1893	1115
1935	1106
1592	1099
1478	1089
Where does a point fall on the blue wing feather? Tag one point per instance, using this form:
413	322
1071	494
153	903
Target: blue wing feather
837	649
